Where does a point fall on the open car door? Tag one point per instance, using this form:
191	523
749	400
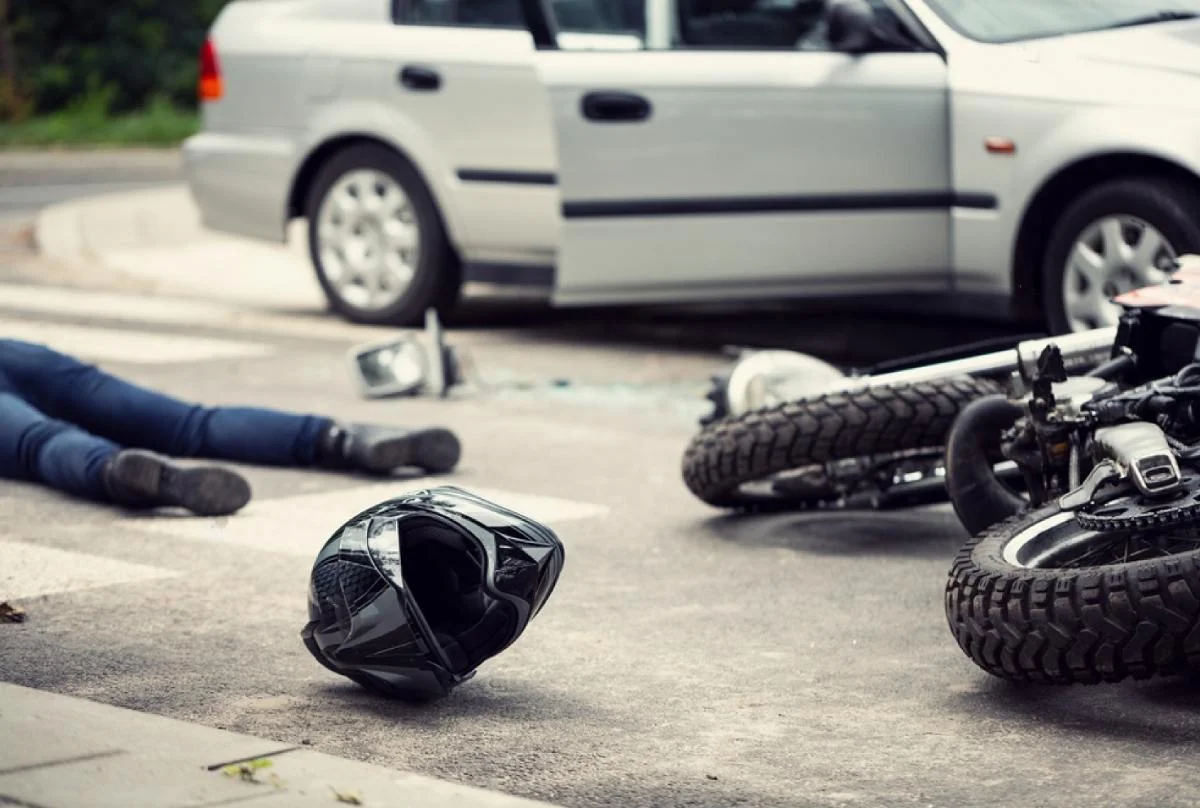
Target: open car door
736	154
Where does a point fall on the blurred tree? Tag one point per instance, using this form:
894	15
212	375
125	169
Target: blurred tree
14	106
110	56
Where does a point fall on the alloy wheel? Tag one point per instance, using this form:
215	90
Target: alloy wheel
1111	256
369	239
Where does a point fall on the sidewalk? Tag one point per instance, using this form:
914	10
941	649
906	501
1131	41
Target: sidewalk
63	752
154	237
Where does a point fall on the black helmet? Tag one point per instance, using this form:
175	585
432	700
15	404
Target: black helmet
410	596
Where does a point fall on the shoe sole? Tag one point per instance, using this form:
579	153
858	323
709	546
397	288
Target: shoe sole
434	450
204	490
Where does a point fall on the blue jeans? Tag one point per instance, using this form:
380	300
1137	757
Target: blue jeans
61	420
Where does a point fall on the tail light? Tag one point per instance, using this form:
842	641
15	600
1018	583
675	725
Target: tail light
210	86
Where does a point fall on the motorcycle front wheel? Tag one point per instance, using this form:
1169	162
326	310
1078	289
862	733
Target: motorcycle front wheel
1041	598
737	462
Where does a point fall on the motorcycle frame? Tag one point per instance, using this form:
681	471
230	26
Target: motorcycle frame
1081	352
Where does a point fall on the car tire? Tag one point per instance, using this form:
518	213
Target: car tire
435	279
1168	206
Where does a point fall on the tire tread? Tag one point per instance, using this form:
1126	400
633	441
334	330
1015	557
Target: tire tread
835	426
1073	626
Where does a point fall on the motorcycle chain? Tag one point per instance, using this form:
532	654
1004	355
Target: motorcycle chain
1139	512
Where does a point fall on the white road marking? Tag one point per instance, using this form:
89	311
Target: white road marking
69	302
58	301
120	345
29	570
299	525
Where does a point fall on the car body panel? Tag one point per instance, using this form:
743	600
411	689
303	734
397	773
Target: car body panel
730	184
488	121
1057	105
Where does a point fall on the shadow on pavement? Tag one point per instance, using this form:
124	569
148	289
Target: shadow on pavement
1162	712
848	332
918	533
493	695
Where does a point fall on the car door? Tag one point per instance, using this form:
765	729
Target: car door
453	83
469	109
736	155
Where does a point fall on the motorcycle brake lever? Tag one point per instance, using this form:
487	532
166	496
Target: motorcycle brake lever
1103	473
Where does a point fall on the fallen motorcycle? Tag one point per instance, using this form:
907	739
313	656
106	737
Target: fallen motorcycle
793	432
788	431
1093	573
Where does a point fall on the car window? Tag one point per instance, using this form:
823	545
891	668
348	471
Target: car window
579	16
466	13
761	24
747	24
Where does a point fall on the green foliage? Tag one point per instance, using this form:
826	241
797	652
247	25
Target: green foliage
86	121
90	58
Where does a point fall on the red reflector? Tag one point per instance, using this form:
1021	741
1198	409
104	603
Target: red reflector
1000	145
210	87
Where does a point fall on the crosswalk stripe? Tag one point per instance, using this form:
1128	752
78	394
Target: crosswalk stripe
57	301
29	570
69	302
299	525
122	345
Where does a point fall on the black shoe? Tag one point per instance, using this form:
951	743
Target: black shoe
382	449
139	479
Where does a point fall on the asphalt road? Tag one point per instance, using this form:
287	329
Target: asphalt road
687	658
31	181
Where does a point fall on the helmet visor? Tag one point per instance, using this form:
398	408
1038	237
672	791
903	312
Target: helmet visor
524	557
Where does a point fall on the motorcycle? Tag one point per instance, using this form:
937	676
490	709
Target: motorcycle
1091	571
789	431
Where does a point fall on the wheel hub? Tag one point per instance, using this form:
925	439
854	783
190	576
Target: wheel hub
368	239
1113	255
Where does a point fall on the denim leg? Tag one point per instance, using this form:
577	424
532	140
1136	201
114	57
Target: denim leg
73	391
35	447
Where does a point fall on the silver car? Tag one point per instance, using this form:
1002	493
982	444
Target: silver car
1036	156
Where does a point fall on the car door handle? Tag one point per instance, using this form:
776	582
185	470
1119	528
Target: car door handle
417	77
615	106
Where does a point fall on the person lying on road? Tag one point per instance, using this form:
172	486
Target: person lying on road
75	428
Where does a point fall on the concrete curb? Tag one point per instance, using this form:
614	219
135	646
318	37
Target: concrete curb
56	235
154	241
64	752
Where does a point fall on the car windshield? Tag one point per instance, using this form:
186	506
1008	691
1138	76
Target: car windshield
1015	20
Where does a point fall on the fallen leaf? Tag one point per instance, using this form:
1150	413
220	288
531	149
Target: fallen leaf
246	771
348	797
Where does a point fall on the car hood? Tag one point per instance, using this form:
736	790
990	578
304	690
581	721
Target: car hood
1149	66
1162	47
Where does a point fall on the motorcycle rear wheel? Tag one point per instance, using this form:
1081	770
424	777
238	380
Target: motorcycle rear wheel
873	424
1040	598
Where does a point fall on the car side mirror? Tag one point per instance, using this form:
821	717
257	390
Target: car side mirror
421	364
852	26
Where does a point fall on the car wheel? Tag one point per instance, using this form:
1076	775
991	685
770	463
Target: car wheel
377	241
1118	236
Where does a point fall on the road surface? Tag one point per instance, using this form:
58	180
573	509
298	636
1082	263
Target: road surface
687	657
